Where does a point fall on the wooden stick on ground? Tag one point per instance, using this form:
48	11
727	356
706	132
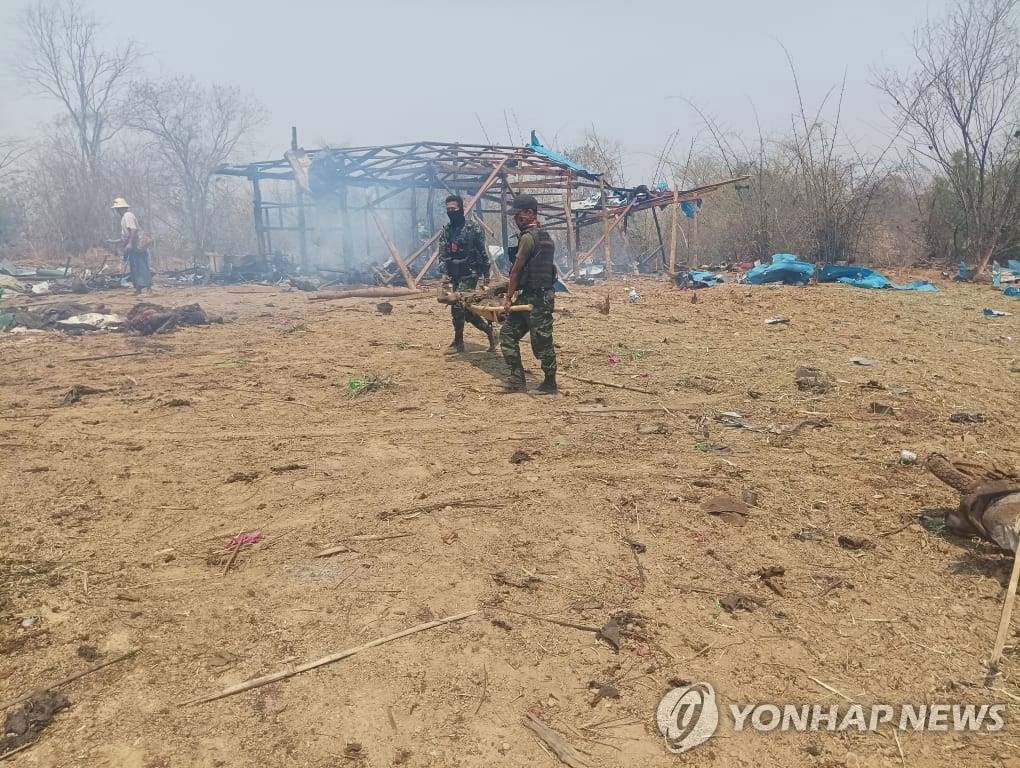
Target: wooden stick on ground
258	682
367	293
557	622
1007	614
340	548
608	384
70	679
13	752
93	358
233	556
566	753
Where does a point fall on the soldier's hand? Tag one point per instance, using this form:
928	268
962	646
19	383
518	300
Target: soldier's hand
507	303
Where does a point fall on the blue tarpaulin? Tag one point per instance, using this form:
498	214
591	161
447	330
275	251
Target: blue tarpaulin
705	278
785	268
1011	290
556	157
862	277
690	207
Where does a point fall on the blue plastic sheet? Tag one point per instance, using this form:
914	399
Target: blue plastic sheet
965	273
1013	265
556	157
706	278
785	268
690	207
863	277
560	287
1011	290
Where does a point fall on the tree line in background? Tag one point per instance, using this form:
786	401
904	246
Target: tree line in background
945	189
118	133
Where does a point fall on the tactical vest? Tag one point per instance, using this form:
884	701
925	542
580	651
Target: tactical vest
540	271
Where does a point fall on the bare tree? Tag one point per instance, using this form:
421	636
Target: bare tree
193	129
961	106
63	59
11	151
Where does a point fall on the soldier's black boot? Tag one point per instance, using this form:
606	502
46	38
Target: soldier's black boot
457	345
515	381
491	333
548	386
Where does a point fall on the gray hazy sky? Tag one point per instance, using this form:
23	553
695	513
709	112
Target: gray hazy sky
382	71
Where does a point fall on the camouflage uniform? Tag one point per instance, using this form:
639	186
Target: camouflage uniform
536	247
464	260
539	322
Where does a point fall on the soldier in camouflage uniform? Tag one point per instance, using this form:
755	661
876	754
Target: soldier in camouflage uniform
531	279
465	262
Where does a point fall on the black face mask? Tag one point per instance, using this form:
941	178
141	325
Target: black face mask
456	218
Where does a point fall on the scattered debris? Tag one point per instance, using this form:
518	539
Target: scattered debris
813	380
384	308
962	417
371	382
749	497
177	402
529	583
620	625
854	542
69	679
88	652
302	284
242	477
24	725
566	753
519	457
91	321
996	313
908	458
288	467
882	409
78	391
866	361
502	624
769	574
602	691
731	510
777	321
738	601
734	419
454	396
811	533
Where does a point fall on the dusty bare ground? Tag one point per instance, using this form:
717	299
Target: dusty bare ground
116	512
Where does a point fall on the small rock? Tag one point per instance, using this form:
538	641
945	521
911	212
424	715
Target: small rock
908	457
474	471
519	457
733	511
88	652
814	380
855	542
863	361
165	555
749	497
28	622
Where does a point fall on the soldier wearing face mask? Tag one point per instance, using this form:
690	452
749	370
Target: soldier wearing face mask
465	263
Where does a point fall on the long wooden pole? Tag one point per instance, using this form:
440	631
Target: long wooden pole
605	229
672	234
568	215
1007	613
394	253
258	682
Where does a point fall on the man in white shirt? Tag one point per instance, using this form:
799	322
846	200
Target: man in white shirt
135	255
